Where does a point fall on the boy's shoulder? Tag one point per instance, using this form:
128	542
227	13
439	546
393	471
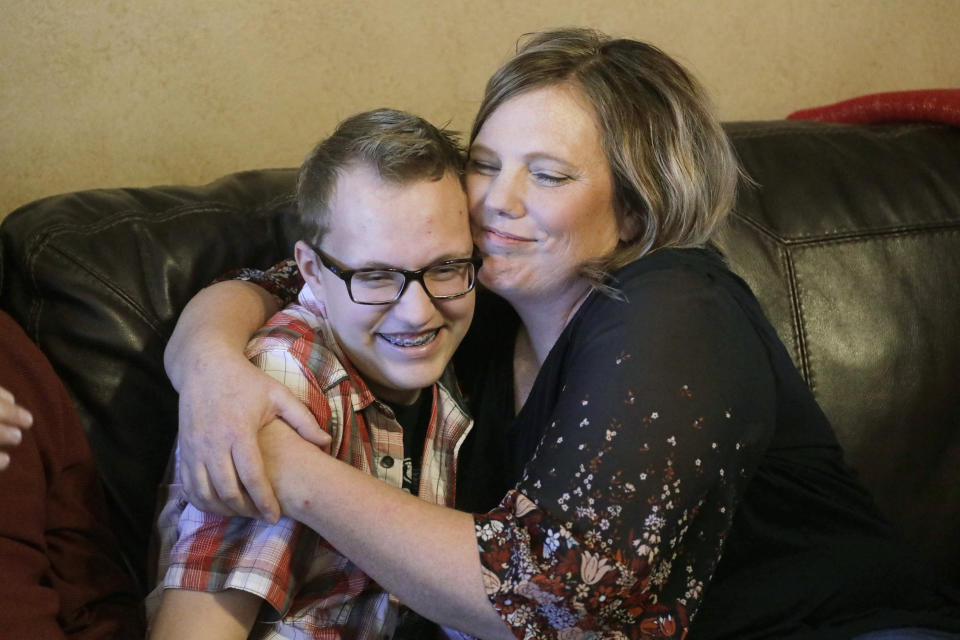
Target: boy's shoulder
292	323
297	332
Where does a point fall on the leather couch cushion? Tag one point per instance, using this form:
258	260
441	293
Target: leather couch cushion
851	240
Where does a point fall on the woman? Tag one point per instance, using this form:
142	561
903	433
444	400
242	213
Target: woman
639	413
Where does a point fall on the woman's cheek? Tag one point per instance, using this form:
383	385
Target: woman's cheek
476	188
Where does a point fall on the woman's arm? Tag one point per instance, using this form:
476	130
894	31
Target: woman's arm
225	400
424	554
652	420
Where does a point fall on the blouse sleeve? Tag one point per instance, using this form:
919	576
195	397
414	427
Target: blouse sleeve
665	405
283	280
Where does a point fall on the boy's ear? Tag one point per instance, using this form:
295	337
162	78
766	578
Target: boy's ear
310	267
307	261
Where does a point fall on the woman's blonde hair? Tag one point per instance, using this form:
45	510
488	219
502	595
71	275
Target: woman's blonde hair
674	171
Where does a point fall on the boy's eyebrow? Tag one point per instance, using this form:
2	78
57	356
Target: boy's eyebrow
376	264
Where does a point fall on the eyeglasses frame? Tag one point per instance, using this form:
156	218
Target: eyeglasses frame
417	276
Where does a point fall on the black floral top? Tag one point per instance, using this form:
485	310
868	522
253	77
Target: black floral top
670	475
674	477
649	416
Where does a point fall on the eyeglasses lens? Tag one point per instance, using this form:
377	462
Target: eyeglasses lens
441	281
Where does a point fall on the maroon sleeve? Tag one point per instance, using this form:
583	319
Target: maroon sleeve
62	575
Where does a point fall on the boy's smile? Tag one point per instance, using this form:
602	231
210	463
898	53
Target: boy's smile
401	347
411	341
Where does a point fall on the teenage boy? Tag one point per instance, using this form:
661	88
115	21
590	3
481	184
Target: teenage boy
389	270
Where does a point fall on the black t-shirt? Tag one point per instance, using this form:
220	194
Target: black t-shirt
807	553
415	420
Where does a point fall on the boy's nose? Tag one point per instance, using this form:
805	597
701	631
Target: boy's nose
415	306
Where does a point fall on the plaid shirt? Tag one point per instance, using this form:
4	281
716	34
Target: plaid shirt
312	590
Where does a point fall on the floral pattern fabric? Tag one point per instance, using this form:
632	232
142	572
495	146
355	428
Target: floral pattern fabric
283	280
651	415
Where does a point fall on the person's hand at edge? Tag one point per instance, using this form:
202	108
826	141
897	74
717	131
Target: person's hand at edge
13	420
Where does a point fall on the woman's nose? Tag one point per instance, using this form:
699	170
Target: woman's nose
505	194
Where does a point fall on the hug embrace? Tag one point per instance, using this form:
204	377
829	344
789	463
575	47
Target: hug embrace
528	398
644	459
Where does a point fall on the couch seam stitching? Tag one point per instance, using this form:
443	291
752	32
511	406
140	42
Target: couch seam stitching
799	321
36	308
950	226
952	230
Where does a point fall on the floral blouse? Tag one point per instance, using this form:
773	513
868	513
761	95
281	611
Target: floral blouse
644	424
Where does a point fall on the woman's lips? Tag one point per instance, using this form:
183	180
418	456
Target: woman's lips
502	237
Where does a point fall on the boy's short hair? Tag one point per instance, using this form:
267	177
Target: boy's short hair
402	147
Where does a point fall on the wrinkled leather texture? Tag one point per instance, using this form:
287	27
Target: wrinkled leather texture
98	278
850	239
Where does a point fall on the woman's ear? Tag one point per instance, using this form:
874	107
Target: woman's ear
310	269
629	227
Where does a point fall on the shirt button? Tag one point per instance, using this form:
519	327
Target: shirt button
386	462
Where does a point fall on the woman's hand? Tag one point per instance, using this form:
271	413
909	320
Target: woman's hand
225	400
13	419
221	411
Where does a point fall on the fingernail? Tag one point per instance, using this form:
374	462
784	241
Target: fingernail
4	459
26	417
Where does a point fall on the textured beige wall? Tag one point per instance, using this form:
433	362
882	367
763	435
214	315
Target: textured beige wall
127	93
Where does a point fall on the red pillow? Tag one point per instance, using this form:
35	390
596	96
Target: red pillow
927	105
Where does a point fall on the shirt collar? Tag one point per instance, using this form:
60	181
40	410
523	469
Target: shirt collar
360	395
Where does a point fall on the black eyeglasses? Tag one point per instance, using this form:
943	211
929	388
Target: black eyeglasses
441	281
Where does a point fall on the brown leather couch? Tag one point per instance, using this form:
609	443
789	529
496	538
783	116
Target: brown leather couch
850	238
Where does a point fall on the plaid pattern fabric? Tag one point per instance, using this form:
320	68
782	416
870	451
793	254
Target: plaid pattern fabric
312	591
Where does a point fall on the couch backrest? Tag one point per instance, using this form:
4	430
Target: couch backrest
851	240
